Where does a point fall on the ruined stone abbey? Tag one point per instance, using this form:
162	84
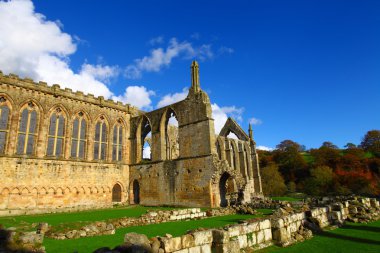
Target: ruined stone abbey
61	150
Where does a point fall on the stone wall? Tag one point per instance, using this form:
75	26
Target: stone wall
37	182
282	230
61	149
45	185
152	217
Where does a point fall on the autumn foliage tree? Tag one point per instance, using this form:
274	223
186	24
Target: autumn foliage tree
371	142
273	182
290	161
327	169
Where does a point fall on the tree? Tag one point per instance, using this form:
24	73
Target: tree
290	161
320	181
288	145
371	142
350	145
328	144
273	182
325	156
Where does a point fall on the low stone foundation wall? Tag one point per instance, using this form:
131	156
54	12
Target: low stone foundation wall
283	228
152	217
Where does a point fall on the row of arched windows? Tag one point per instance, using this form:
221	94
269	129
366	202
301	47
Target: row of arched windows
28	126
237	157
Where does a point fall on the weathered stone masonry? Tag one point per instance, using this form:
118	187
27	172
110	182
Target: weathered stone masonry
61	149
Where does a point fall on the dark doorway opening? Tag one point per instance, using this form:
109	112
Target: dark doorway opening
136	192
223	189
116	193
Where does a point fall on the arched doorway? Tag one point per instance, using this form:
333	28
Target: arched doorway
136	192
223	189
116	193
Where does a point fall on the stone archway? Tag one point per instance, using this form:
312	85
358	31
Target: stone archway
136	192
116	193
223	189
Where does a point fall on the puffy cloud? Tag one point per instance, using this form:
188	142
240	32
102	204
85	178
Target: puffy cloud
255	121
147	152
138	96
221	114
160	57
172	98
264	148
232	136
32	46
104	73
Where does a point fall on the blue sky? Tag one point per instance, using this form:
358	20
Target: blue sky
308	71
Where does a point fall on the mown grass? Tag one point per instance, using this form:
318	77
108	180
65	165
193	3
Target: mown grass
75	219
285	198
307	157
89	244
352	238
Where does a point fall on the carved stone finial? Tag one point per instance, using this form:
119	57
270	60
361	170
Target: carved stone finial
195	85
250	132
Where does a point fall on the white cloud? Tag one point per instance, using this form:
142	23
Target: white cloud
221	114
104	73
264	148
225	50
32	46
195	36
173	98
160	57
255	121
232	136
147	152
138	96
156	40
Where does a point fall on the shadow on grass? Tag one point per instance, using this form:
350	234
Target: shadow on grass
348	238
366	228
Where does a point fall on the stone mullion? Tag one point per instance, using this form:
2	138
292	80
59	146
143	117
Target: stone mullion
222	149
10	149
255	169
90	141
42	130
243	163
247	152
67	135
108	143
236	154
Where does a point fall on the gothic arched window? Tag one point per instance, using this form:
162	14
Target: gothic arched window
4	124
117	142
56	135
27	132
100	142
78	138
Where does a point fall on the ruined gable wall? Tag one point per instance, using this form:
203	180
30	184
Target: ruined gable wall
184	181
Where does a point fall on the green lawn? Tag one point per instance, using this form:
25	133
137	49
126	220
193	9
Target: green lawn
25	222
290	199
307	157
353	237
89	244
